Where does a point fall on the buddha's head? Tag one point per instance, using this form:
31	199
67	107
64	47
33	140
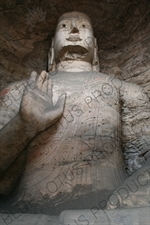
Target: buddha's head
74	46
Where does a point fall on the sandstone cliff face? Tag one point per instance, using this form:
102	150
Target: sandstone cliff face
121	28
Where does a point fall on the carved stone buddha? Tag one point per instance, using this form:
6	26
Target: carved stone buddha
72	135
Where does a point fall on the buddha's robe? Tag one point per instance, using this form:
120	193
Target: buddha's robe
85	156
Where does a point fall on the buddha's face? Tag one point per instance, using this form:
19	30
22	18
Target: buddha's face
74	39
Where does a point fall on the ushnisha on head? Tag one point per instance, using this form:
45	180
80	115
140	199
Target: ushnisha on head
74	47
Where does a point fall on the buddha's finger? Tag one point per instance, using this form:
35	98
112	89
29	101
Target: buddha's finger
56	111
49	88
33	75
45	84
60	104
31	82
41	79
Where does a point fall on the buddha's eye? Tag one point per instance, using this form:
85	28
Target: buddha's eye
63	25
83	25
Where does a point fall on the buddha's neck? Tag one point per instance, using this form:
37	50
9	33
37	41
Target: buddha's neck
74	66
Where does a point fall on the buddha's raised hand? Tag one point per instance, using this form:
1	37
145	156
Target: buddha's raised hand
37	107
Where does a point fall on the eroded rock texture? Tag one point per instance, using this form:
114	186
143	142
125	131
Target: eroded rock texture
122	30
121	27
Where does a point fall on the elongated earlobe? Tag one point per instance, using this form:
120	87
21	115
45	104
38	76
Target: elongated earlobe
51	58
95	64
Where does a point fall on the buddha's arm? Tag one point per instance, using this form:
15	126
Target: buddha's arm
135	125
14	138
36	113
10	99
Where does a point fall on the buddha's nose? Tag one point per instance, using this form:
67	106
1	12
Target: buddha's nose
74	30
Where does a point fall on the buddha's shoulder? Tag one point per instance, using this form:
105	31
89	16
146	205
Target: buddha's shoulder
12	94
79	77
119	83
10	99
15	87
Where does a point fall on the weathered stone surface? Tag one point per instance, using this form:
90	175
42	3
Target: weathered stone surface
118	101
94	216
134	192
31	219
106	217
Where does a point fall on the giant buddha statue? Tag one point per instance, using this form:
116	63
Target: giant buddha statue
72	135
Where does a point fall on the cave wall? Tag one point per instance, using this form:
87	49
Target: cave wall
122	28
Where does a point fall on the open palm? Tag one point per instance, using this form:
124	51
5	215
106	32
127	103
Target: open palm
37	108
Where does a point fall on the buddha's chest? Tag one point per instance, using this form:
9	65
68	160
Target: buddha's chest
92	107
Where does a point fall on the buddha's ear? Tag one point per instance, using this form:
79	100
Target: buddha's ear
51	58
95	64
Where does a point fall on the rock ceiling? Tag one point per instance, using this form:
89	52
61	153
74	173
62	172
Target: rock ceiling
121	27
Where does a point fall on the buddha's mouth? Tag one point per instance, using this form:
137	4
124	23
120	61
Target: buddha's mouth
71	52
74	38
